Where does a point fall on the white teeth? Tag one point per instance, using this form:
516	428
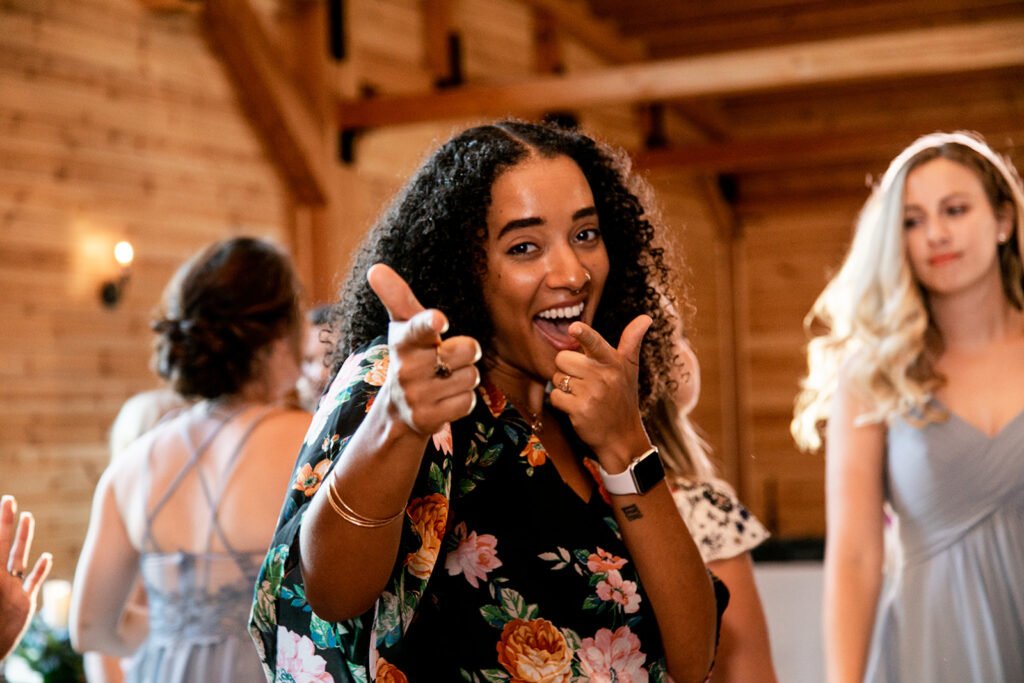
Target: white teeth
563	312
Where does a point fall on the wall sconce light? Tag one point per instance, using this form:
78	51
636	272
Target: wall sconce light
111	290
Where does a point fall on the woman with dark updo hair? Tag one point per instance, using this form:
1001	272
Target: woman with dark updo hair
185	506
477	498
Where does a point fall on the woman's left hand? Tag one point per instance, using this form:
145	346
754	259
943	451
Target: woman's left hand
597	388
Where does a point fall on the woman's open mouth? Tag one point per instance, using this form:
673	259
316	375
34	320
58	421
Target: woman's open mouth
554	323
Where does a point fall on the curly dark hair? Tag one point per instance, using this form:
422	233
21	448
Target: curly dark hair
222	307
434	235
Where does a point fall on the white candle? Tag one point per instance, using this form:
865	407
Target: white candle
56	602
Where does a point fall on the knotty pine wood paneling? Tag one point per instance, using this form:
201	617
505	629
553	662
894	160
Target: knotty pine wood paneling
788	250
106	133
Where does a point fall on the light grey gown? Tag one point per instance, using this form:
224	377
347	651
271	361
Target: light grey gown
954	608
199	602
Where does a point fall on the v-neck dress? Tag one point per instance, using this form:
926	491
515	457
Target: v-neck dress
953	610
504	573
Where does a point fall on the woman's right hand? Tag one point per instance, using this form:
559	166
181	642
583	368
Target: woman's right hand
18	590
376	472
418	391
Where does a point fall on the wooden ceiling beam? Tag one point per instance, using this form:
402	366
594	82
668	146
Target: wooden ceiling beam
572	19
800	152
438	29
600	36
886	56
290	130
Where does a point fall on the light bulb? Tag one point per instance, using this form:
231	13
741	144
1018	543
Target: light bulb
124	253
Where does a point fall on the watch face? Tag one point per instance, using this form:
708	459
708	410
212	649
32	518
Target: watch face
648	472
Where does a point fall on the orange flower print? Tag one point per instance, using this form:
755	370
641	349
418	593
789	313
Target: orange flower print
429	515
442	438
619	590
592	468
309	478
492	398
534	651
604	561
386	672
378	373
534	451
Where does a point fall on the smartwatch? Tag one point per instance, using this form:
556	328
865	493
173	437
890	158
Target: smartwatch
640	477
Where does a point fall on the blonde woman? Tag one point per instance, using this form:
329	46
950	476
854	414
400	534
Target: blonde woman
919	375
723	529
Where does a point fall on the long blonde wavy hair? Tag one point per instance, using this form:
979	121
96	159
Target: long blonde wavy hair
872	319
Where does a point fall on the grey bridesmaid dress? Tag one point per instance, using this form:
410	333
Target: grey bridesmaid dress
199	602
953	610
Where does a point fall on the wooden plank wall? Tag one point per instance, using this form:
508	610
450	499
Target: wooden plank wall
115	123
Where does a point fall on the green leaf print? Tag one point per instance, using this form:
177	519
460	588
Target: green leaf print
464	486
572	639
389	619
515	606
494	616
436	478
265	607
483	432
322	633
490	456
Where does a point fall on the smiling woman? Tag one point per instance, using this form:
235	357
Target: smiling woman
487	398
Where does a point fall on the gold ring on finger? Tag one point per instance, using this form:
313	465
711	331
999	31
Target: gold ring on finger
441	369
563	385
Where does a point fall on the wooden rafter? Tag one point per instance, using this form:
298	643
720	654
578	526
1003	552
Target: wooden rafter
573	19
600	36
284	118
438	27
887	56
781	153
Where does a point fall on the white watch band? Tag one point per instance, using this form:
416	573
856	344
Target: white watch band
625	483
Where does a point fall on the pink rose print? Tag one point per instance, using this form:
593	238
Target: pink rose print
613	656
474	557
604	561
442	438
297	656
615	588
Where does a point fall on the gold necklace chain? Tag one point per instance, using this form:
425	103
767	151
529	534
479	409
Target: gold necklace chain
534	419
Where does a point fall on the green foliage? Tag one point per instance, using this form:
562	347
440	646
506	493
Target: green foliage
48	652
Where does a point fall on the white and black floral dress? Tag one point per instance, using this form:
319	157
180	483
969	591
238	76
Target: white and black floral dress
720	525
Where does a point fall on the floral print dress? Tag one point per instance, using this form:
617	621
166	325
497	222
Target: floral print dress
719	523
504	573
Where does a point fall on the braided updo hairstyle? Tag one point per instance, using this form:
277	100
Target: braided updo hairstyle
222	308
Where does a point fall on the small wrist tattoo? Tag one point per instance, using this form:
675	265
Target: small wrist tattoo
632	512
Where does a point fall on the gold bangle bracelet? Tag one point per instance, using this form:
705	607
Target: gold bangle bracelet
353	517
